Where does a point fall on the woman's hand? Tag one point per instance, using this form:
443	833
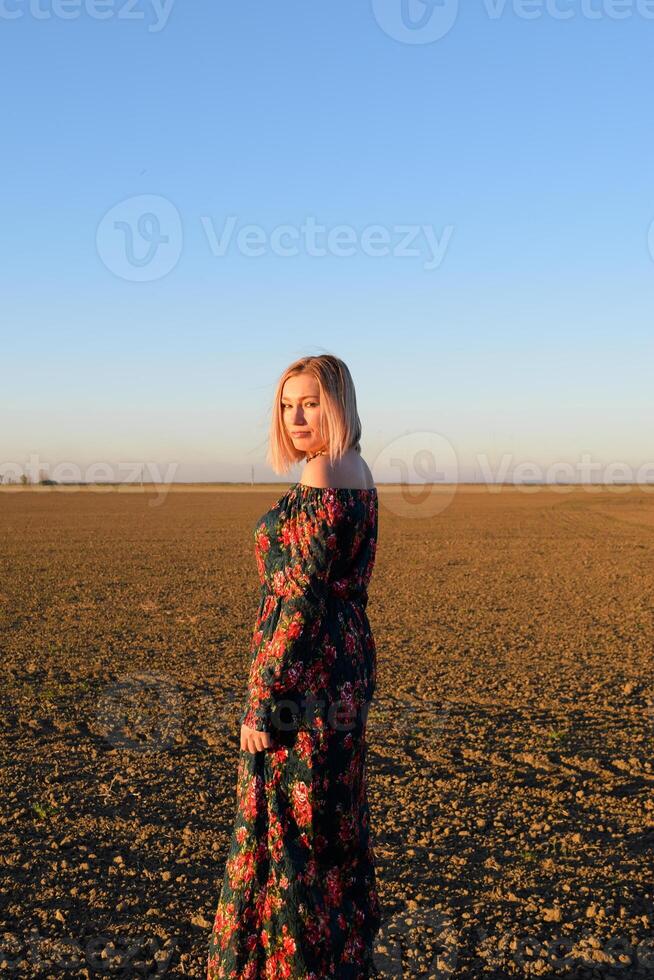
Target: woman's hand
254	741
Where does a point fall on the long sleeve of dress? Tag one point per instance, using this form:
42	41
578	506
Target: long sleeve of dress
293	604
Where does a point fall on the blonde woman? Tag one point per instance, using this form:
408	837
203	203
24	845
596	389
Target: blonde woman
299	897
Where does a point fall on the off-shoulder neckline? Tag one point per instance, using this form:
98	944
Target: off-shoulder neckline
307	486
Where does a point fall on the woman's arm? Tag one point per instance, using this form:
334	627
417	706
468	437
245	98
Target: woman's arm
281	658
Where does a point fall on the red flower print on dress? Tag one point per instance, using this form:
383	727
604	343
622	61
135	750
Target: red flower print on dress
253	800
275	838
334	887
301	803
304	746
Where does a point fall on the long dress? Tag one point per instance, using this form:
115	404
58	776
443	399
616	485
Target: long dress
299	897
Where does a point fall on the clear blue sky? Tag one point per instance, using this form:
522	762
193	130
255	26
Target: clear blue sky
531	140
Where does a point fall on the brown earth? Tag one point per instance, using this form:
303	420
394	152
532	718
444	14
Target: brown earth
510	741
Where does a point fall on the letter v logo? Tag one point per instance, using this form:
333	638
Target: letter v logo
416	21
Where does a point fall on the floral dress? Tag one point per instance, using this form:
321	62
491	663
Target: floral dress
299	897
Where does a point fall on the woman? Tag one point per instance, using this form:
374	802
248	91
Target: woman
299	897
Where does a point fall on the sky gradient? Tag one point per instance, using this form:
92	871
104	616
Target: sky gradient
520	147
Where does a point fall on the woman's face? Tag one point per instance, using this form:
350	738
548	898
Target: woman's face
301	412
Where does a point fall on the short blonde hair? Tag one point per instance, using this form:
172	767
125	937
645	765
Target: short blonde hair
340	422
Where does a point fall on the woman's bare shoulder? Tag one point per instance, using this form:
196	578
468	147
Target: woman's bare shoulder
369	477
348	472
